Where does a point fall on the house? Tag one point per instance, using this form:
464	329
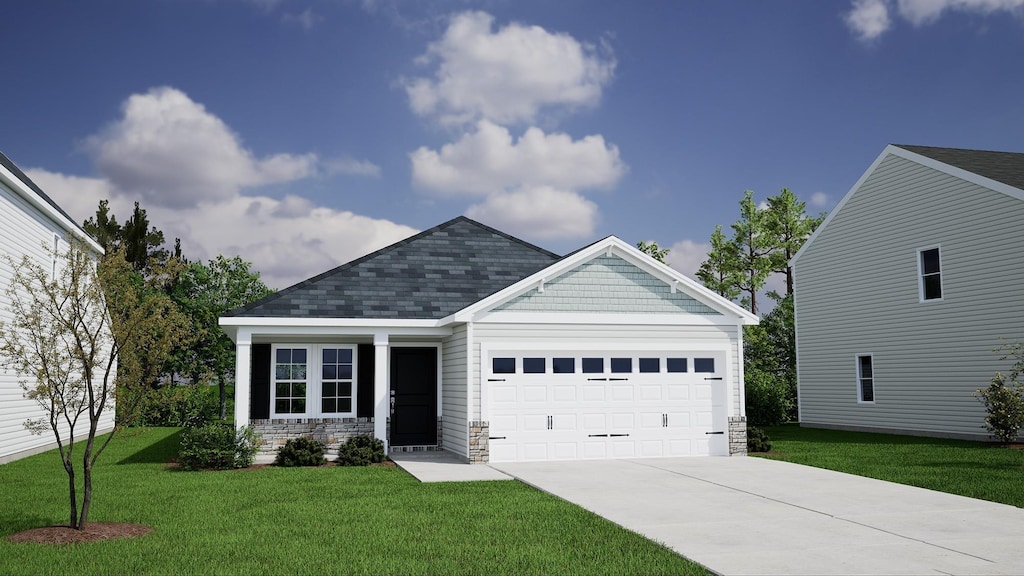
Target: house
466	339
907	289
30	222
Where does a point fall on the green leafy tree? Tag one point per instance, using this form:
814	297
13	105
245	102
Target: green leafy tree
653	250
74	340
143	244
790	226
720	272
756	246
205	292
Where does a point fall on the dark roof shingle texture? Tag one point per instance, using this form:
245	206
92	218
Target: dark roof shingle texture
1005	167
427	276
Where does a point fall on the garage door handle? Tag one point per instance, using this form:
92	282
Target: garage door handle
617	435
496	437
719	378
618	379
495	379
714	432
595	379
597	435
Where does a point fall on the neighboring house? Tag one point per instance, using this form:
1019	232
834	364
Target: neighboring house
906	290
30	223
466	339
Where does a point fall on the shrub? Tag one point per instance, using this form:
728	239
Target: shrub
361	450
217	446
174	406
301	451
757	440
768	400
1004	407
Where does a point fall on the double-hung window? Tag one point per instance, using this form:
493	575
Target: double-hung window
929	264
865	379
312	381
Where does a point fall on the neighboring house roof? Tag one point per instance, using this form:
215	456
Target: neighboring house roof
427	276
28	188
1000	171
1005	167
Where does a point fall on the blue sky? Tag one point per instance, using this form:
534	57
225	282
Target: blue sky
301	134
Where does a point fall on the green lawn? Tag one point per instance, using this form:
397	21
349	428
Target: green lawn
301	521
974	469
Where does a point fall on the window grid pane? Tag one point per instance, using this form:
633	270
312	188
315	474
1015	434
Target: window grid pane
675	365
705	365
503	365
593	365
650	365
563	365
336	388
290	381
622	365
533	365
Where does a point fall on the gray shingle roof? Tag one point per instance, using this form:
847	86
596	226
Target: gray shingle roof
10	165
427	276
1005	167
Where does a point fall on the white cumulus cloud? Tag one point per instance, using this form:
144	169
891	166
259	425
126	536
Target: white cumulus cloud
869	19
508	75
170	151
189	171
686	256
490	160
539	212
818	200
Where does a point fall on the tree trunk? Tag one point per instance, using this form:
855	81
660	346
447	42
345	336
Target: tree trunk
87	477
70	469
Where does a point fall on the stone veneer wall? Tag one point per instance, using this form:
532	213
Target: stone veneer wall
479	443
738	436
330	431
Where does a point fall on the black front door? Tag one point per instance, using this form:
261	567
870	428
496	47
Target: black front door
413	396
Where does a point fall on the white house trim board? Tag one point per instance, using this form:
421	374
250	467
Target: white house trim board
29	195
610	246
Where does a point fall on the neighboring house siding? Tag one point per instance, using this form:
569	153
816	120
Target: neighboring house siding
857	293
453	385
607	284
590	336
24	231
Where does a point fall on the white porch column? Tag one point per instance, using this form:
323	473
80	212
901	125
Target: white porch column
243	361
381	402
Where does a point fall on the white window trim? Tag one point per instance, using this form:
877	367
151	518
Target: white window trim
874	378
920	275
314	381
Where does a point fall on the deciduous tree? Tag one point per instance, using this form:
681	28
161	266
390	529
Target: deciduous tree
69	332
653	250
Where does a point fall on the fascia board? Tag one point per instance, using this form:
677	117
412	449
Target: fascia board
21	189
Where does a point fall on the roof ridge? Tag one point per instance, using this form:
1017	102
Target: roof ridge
909	147
6	161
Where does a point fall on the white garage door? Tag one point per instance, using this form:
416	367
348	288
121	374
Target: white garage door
569	406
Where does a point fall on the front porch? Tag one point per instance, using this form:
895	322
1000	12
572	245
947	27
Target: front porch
331	383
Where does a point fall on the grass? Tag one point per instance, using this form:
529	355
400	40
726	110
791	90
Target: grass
309	520
974	469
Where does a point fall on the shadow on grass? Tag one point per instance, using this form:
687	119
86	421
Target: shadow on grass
156	453
794	432
12	522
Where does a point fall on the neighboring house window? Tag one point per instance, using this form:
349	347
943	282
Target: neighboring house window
865	379
313	381
930	266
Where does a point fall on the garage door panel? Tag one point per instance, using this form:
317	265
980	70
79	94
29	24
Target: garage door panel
576	415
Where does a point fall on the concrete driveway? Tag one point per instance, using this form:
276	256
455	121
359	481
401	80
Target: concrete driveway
755	516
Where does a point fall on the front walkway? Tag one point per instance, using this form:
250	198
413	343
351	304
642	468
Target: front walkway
441	466
747	515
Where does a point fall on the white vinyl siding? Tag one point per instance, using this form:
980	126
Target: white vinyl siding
25	231
857	289
455	425
607	337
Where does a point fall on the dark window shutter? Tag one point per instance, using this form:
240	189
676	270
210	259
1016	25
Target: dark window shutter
364	378
259	392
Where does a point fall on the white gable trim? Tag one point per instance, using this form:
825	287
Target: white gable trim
918	159
612	318
610	246
22	189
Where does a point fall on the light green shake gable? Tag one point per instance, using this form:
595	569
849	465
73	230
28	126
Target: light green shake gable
607	284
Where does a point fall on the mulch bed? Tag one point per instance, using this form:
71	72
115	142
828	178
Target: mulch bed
94	532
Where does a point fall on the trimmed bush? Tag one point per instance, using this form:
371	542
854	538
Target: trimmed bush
767	398
1004	407
301	451
757	440
361	450
217	446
